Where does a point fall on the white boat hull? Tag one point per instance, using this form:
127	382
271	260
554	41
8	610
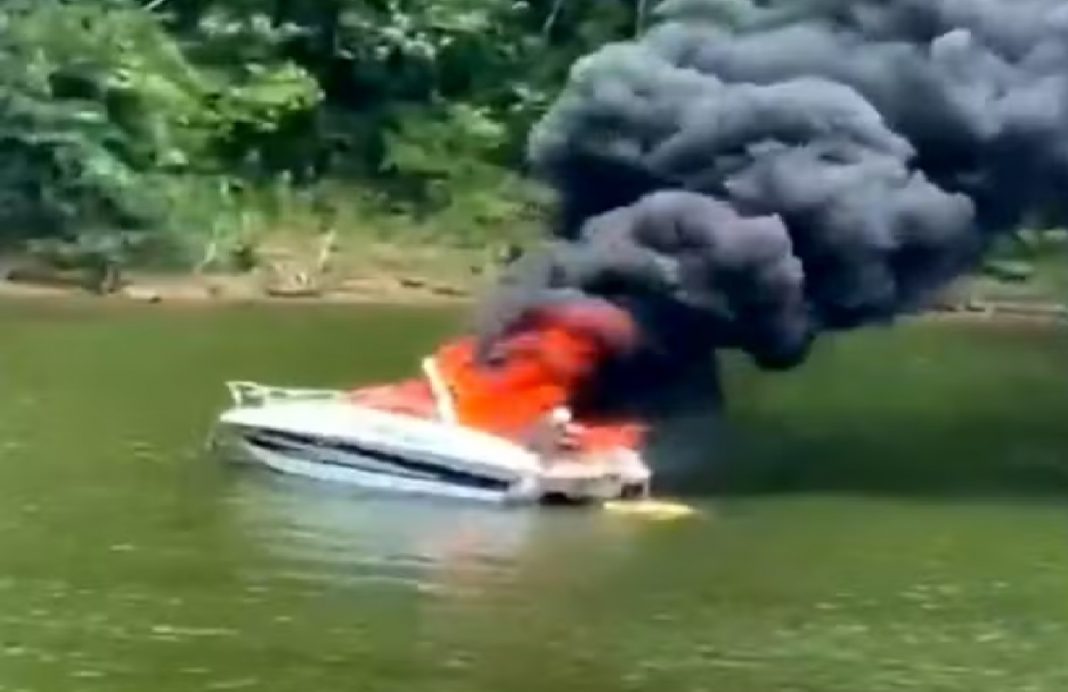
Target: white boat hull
348	473
320	436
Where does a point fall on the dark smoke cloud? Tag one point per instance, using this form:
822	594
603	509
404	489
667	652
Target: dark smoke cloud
747	174
978	87
688	259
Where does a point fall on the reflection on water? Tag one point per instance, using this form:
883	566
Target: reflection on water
352	536
901	527
433	545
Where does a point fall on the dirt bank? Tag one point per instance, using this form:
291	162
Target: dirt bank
395	275
225	289
375	273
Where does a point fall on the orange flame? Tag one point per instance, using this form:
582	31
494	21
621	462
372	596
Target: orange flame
541	364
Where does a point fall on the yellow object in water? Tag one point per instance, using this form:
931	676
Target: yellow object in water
659	510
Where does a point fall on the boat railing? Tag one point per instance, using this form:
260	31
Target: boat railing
251	394
443	400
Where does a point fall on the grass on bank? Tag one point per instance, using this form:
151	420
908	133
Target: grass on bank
1030	267
348	237
333	233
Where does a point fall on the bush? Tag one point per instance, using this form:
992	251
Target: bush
200	123
100	104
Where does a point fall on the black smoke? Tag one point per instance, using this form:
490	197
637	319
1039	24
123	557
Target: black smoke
749	174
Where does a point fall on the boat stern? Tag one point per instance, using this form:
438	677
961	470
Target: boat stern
618	474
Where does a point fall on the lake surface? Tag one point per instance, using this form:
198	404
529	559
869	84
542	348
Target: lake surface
893	519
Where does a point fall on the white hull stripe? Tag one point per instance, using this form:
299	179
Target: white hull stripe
388	464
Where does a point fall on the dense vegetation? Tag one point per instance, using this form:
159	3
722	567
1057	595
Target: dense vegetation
188	130
168	124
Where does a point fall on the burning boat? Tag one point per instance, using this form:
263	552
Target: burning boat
482	426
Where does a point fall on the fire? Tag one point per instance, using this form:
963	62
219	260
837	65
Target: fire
539	365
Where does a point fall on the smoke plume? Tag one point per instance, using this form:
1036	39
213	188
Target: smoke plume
749	174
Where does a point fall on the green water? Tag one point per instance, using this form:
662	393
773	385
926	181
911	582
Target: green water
899	526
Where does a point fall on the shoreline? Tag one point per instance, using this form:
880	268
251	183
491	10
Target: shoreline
1003	312
289	270
228	289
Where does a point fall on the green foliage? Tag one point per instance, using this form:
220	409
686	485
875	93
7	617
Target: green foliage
97	100
63	155
198	123
444	160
